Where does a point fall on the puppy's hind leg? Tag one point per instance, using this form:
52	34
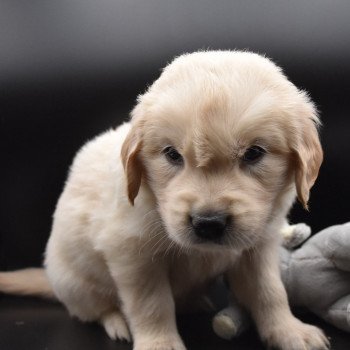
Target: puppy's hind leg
115	325
90	302
90	305
103	309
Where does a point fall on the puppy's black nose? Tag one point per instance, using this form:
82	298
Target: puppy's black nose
210	226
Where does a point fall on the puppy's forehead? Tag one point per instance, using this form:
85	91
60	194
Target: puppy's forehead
211	104
218	119
225	126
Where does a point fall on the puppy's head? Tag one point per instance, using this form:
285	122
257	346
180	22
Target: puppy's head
224	141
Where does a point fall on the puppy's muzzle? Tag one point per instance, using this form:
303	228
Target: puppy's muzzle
210	226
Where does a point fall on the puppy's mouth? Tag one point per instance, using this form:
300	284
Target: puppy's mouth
208	244
210	231
232	239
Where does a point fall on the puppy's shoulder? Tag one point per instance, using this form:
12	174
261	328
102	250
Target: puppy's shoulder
103	147
95	175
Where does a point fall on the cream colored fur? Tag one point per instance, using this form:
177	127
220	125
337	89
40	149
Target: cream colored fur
122	251
26	282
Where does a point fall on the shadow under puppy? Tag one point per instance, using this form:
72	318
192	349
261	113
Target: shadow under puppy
198	184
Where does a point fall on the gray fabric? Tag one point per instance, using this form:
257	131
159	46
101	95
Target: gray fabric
317	275
336	312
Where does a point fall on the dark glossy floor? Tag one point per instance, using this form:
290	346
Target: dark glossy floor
33	324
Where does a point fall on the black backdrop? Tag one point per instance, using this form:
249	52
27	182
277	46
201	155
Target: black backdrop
71	69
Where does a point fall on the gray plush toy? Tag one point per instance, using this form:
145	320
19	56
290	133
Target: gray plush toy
316	276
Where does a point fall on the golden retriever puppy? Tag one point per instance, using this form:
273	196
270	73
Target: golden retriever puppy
198	184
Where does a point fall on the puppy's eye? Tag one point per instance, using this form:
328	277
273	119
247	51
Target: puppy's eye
173	156
253	154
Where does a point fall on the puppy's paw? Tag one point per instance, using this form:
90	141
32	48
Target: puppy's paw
115	326
224	327
161	343
296	336
294	235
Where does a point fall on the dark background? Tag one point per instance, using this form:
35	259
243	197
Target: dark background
70	69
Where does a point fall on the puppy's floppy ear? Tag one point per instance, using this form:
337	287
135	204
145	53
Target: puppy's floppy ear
131	161
309	158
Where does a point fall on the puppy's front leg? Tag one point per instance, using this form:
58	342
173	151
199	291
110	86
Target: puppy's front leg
257	284
146	296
